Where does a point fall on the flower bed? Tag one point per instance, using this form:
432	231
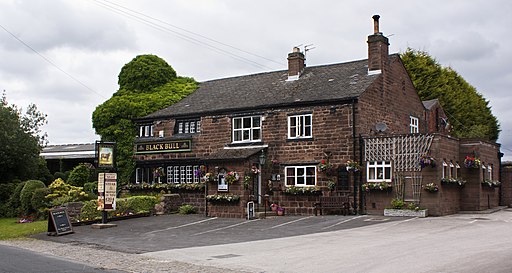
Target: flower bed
170	187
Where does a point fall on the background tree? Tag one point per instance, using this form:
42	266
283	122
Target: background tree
147	84
21	139
468	112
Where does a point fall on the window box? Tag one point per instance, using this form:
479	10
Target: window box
382	186
302	191
223	198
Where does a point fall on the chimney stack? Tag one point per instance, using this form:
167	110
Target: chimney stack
378	49
295	64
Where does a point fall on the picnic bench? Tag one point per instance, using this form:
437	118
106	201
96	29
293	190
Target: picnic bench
333	202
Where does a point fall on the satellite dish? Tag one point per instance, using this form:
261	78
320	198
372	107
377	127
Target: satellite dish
381	127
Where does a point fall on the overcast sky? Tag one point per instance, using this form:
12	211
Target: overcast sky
67	54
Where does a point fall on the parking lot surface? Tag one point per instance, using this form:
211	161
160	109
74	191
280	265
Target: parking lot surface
168	232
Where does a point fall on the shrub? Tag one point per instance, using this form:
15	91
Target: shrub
26	195
63	193
90	211
91	187
39	200
187	209
79	175
14	201
6	190
397	203
60	175
140	204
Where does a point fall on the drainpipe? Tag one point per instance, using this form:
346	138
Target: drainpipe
356	185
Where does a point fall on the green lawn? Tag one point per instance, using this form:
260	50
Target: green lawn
9	229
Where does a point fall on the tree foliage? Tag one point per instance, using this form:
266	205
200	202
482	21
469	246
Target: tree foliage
137	97
21	139
144	73
79	175
469	113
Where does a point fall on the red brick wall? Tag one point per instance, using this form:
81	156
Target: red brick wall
391	99
506	184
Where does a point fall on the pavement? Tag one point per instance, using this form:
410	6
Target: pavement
164	232
362	243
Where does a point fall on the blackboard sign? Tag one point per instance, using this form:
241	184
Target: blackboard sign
58	222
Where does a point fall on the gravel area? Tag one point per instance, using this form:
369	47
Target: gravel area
106	259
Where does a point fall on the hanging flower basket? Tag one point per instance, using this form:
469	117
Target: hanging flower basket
158	172
325	166
426	160
353	166
472	162
232	177
431	187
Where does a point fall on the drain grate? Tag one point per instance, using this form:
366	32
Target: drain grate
225	256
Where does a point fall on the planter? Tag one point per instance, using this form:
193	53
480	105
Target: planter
280	212
406	212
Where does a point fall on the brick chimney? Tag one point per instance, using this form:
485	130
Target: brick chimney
295	64
378	49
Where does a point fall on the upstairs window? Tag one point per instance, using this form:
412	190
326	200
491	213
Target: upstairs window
189	126
379	171
247	129
414	125
489	172
146	130
300	126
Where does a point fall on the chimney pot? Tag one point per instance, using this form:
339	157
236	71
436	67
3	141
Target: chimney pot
376	24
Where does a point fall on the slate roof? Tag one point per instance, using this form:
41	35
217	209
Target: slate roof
229	154
317	84
69	151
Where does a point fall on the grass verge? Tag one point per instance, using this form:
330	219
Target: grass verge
9	229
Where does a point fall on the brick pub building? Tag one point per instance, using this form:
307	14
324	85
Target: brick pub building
292	136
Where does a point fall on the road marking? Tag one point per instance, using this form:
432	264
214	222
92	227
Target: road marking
221	228
344	221
176	227
290	222
473	221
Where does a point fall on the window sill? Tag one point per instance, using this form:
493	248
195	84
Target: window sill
244	144
300	139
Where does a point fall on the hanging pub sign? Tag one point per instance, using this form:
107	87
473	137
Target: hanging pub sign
105	154
171	146
107	186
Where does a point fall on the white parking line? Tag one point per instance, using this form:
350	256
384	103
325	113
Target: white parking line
344	221
185	225
221	228
290	222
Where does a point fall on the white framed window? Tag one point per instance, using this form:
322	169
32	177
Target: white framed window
190	174
191	126
139	174
452	170
457	170
378	171
445	170
170	174
146	130
176	174
489	172
300	176
246	129
300	126
414	125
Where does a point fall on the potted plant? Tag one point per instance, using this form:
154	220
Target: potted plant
280	211
426	160
472	162
273	207
353	166
431	187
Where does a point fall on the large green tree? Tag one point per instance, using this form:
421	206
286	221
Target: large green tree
146	84
20	141
468	111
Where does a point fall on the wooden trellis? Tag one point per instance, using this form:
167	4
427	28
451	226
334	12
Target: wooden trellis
404	152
